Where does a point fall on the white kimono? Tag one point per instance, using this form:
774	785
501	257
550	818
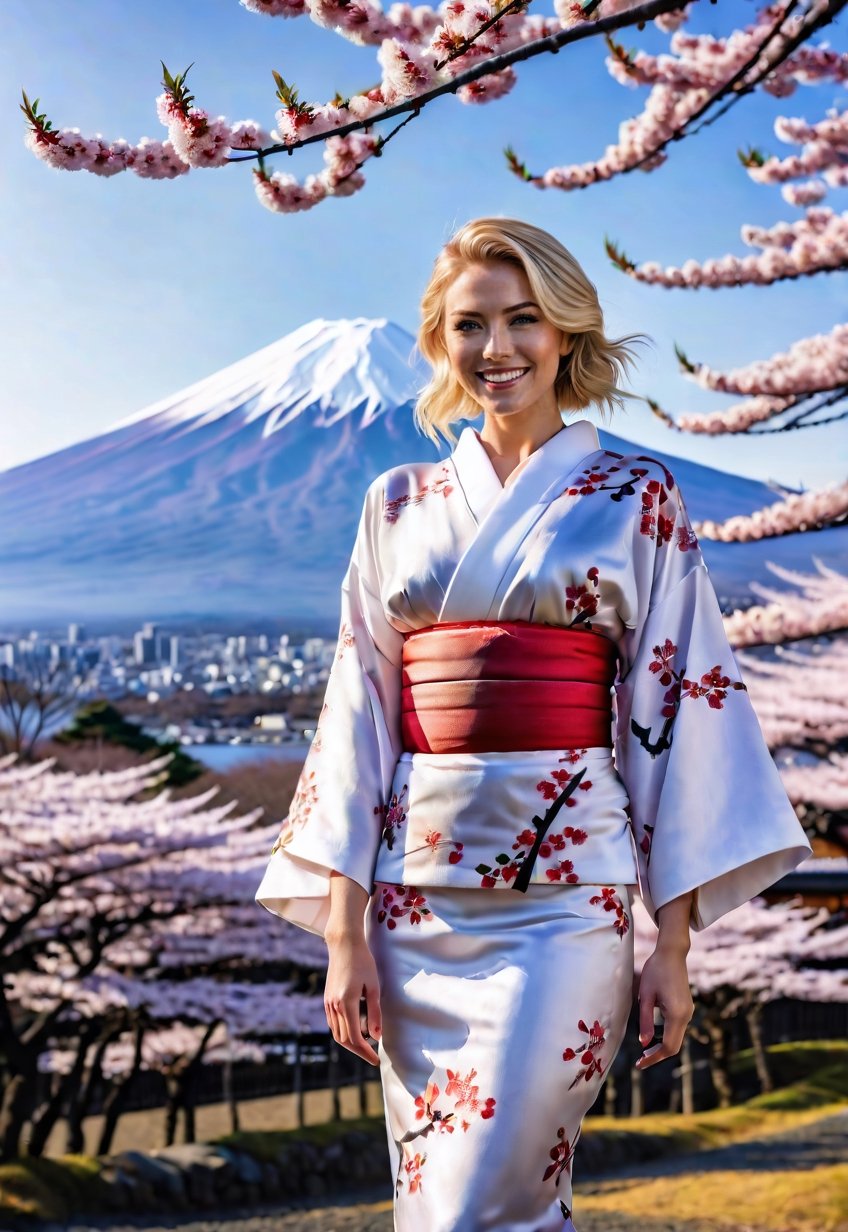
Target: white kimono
688	798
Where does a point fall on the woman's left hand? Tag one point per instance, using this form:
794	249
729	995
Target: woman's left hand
665	983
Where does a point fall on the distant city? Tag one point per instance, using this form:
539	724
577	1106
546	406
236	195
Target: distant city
155	664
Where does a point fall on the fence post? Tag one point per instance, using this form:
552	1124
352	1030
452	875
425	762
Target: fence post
637	1099
229	1092
298	1078
334	1080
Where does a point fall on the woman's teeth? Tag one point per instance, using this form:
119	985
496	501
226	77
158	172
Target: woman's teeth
503	378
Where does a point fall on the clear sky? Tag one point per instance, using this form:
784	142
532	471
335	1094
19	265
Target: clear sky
120	292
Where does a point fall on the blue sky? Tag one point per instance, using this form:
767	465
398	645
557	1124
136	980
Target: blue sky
124	291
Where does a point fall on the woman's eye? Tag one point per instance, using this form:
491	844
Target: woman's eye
524	316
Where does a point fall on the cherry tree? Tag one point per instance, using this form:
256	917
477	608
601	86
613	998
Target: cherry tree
111	906
467	48
752	955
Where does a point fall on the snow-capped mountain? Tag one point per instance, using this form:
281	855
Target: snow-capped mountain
239	496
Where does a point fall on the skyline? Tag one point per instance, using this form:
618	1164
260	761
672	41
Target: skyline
128	292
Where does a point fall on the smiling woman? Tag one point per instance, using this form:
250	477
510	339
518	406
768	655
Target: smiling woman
505	355
533	709
503	295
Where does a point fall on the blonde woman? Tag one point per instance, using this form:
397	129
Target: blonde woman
532	713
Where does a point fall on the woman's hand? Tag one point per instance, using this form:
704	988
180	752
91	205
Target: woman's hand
352	976
665	983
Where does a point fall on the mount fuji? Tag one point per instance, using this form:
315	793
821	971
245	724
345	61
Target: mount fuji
238	498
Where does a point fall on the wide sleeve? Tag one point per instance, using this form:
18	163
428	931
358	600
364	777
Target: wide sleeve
708	809
335	817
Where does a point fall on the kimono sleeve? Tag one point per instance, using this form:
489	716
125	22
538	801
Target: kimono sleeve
707	805
335	818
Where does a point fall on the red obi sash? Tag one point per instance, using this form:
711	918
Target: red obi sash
475	686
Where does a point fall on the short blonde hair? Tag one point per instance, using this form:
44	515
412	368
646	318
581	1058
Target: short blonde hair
567	298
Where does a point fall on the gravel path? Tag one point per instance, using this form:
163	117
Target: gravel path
819	1143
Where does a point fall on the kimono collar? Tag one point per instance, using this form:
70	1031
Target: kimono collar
551	461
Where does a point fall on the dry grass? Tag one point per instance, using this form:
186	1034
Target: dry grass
815	1200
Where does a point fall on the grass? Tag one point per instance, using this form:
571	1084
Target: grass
813	1078
265	1144
815	1200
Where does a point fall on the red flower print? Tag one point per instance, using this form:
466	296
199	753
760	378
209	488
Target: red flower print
413	1168
587	1052
713	686
661	661
433	839
573	755
590	480
346	639
561	1155
516	870
400	902
612	902
318	738
465	1095
583	601
442	486
393	816
657	513
687	540
564	871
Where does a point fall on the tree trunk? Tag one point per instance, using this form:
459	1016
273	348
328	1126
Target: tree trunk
610	1092
79	1108
117	1097
14	1111
754	1019
64	1090
719	1070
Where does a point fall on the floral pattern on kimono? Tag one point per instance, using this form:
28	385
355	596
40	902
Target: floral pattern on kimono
582	536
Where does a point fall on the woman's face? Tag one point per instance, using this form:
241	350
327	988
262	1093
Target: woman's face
502	350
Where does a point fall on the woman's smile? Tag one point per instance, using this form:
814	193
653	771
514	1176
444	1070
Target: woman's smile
502	379
502	349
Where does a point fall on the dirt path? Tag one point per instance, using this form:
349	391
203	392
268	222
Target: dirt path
803	1149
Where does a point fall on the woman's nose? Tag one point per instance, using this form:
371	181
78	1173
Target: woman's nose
497	347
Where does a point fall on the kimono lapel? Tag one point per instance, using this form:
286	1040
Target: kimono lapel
506	515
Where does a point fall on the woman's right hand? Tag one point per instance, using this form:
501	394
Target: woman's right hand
352	977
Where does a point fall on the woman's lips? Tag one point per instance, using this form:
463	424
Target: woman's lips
503	384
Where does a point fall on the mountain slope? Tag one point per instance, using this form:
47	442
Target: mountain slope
239	496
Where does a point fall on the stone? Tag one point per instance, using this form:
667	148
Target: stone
166	1179
315	1186
248	1170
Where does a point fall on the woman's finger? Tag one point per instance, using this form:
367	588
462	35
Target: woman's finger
373	1017
355	1041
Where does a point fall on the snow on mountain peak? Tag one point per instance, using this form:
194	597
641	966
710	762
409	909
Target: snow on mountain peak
333	368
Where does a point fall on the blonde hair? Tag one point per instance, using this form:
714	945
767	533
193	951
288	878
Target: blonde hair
567	298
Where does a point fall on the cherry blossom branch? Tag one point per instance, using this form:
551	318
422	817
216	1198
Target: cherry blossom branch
806	511
410	81
549	42
684	88
820	605
814	245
